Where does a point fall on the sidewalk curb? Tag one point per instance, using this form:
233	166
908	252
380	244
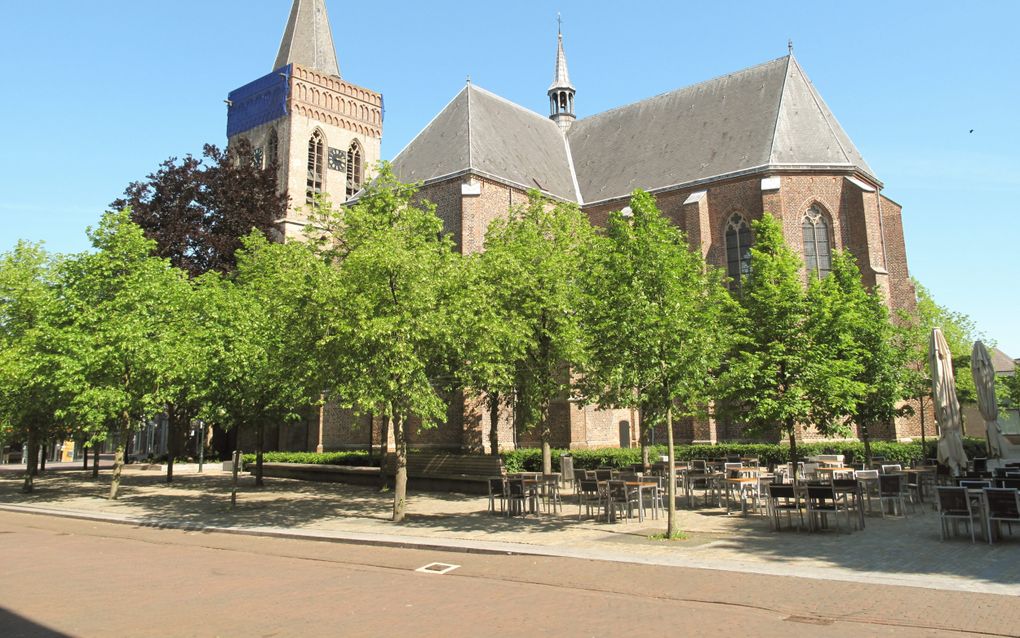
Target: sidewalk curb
353	538
502	548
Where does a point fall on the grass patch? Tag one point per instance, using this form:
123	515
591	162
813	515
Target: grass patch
678	536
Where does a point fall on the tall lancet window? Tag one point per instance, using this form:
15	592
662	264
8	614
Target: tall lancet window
316	164
738	250
355	170
817	250
272	149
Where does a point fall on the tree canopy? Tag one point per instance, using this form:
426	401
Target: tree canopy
658	322
198	209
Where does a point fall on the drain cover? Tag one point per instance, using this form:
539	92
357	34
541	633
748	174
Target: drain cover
437	568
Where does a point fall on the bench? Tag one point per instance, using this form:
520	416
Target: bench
452	472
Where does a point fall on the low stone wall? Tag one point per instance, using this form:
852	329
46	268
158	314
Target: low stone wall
370	476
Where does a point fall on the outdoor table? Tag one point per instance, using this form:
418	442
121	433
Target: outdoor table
641	486
741	484
832	471
921	473
531	488
858	496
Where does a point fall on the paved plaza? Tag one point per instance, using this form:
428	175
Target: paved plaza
890	551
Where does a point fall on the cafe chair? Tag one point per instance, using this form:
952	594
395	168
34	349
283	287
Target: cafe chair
1003	507
954	505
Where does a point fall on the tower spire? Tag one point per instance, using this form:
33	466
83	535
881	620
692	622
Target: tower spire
308	40
561	91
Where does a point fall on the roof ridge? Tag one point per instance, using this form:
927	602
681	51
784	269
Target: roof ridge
678	90
815	98
544	118
430	123
468	121
573	173
779	110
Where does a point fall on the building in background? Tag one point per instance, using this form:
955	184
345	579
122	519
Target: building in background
717	155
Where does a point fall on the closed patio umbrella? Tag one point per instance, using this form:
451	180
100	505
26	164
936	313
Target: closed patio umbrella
984	380
947	406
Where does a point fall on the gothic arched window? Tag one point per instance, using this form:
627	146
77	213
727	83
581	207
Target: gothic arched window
355	170
738	250
817	251
316	166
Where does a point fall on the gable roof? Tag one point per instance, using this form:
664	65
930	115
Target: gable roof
765	116
484	133
762	118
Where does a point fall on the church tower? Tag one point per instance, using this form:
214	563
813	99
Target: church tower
322	133
561	91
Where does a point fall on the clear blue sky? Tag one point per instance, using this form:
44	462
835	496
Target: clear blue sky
98	93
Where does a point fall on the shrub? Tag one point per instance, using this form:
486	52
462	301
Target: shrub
771	454
353	457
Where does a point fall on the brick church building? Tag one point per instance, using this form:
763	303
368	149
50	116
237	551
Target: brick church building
716	155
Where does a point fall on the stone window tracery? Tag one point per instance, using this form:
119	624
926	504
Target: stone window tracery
316	166
738	250
355	170
817	248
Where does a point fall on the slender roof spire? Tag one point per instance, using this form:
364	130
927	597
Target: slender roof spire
561	80
308	40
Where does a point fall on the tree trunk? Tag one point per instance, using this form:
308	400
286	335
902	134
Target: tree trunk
384	439
866	440
400	472
644	434
546	450
259	432
791	427
42	457
32	454
171	442
671	526
118	459
924	446
494	424
95	461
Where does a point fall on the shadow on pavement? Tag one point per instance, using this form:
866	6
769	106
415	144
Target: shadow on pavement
15	626
908	545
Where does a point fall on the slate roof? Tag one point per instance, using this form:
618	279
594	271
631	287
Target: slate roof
767	116
1001	362
308	40
487	134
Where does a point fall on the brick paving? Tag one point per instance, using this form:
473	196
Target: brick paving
891	551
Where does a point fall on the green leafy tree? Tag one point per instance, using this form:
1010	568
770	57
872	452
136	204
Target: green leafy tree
493	335
186	375
657	320
263	323
31	359
389	330
781	376
539	252
960	333
116	298
855	324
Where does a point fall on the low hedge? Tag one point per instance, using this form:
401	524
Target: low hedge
359	458
530	459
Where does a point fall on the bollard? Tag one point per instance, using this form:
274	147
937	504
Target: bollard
233	490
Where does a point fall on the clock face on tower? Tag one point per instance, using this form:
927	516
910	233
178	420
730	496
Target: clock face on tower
337	160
